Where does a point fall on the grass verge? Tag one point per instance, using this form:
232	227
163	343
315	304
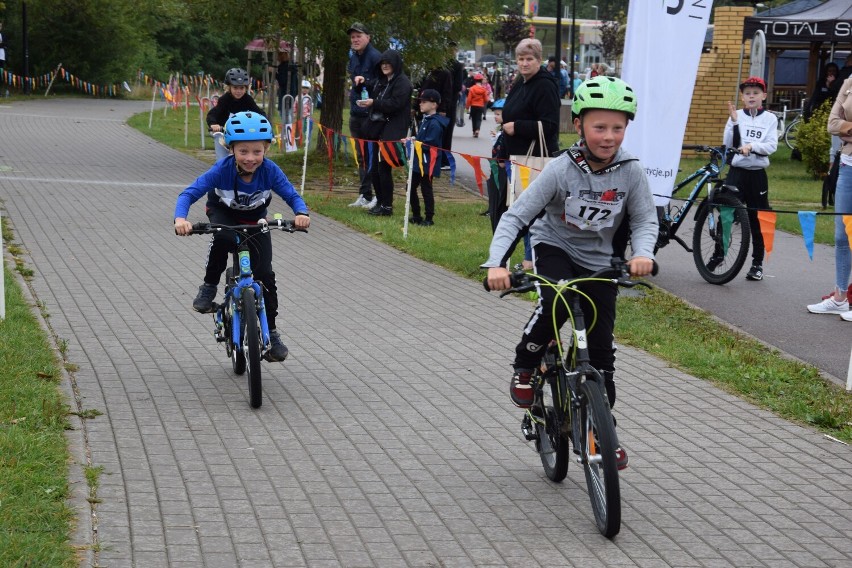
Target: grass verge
35	519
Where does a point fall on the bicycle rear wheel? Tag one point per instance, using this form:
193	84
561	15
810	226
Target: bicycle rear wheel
251	347
552	428
721	238
791	132
597	449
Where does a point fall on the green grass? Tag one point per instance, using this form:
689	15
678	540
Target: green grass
35	519
459	242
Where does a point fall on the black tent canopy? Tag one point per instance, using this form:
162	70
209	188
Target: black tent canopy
829	22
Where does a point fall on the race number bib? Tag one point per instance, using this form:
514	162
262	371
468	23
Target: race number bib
593	210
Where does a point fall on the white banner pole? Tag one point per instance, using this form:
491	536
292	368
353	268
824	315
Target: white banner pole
308	127
408	189
849	374
664	97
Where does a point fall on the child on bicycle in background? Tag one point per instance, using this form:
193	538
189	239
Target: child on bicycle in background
238	190
235	99
753	131
577	203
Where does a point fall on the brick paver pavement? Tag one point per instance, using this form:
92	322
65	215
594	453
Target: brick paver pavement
387	438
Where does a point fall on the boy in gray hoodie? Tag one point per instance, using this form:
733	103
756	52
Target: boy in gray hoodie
572	211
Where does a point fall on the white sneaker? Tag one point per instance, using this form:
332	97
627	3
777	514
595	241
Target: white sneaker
370	204
360	202
846	316
829	306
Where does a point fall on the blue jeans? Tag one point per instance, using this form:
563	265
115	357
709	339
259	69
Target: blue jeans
842	204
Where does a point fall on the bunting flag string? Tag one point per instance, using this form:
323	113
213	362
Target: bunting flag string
43	81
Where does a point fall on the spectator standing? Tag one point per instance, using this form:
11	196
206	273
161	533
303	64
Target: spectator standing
235	99
285	77
440	80
363	63
840	124
456	70
566	87
2	48
390	95
431	134
477	98
533	98
823	90
753	131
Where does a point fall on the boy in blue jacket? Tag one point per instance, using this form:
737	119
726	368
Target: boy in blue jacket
431	134
238	189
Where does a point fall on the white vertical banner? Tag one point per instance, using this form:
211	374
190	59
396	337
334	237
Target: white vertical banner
661	54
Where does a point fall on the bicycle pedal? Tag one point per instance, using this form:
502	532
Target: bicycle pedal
528	429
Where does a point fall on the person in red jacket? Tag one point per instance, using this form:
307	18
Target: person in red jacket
477	98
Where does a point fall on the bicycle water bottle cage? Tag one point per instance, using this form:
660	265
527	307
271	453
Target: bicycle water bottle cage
245	263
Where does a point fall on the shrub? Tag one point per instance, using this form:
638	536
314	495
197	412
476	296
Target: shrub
814	141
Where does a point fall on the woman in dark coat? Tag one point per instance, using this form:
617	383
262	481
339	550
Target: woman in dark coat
390	102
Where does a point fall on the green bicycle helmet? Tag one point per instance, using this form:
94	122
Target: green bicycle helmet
246	127
604	93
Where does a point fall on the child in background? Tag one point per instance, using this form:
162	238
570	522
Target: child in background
307	101
753	131
431	134
235	99
238	189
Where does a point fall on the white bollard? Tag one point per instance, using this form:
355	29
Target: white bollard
849	374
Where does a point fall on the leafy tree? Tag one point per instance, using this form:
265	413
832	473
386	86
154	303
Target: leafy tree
511	29
423	29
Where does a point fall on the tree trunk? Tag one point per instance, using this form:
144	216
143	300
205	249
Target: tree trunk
334	93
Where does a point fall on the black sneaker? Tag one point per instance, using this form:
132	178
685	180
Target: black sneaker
714	263
426	223
203	302
756	272
415	219
381	210
277	350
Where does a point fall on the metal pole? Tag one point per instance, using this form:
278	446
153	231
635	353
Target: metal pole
26	42
558	34
573	36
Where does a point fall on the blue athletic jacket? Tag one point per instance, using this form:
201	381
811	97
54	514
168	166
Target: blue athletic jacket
248	201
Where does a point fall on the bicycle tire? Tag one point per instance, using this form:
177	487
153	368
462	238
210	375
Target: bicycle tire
716	263
791	132
597	449
551	428
251	347
238	358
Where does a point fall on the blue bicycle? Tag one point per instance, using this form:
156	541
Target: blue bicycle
240	320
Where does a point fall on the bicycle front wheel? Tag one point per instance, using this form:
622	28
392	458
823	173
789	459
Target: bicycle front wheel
251	347
551	424
791	132
597	449
721	238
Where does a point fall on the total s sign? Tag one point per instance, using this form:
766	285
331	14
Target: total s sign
800	30
661	54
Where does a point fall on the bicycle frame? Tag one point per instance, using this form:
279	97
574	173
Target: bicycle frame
233	294
670	222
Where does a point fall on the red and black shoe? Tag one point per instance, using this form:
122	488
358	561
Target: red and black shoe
520	389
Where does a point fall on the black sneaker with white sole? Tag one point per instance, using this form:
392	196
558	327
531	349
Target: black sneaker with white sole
755	273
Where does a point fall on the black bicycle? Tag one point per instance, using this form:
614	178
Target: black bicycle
570	402
722	233
240	320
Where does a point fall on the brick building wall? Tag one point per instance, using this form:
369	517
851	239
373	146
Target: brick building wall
716	83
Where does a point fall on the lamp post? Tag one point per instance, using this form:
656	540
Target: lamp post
558	32
573	36
596	11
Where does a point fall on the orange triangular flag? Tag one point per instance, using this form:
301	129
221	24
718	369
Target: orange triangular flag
477	170
847	222
767	229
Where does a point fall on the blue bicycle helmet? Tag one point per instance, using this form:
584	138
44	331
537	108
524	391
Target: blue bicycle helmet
498	104
247	127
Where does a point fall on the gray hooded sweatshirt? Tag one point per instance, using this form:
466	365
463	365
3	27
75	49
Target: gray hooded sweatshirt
579	211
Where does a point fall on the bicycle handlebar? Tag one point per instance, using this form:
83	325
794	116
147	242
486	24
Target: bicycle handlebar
281	224
522	281
717	151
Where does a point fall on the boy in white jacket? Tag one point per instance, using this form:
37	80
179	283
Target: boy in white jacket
754	132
